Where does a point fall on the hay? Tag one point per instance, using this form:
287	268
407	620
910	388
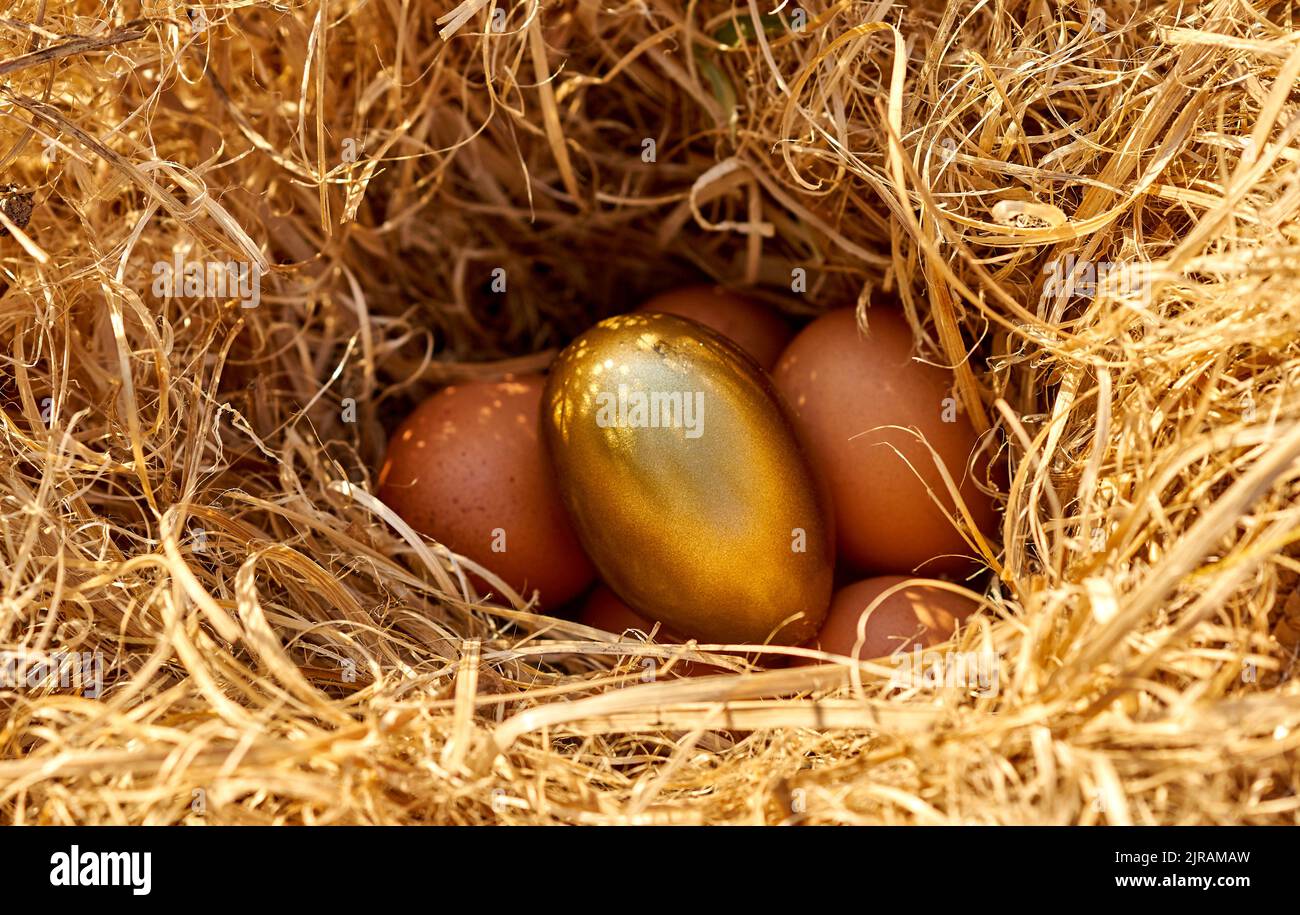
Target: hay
184	485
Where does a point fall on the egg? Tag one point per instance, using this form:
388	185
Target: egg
751	325
604	610
468	469
685	481
925	615
842	388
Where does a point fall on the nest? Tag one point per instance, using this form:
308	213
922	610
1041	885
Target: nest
1089	211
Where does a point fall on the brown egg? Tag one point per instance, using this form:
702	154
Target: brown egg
604	609
751	325
917	615
840	388
468	468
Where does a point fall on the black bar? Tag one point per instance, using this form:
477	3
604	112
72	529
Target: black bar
295	866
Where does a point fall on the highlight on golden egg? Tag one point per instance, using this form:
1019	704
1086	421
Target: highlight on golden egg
685	482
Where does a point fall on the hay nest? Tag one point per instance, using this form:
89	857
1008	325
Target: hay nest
185	486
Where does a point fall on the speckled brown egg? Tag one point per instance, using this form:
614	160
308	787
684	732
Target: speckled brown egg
919	614
468	469
843	390
751	325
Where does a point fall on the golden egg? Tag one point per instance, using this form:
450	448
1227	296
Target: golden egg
685	482
746	322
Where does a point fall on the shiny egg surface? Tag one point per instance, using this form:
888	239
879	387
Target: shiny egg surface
685	482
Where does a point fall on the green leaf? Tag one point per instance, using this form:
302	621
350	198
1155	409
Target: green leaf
741	27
